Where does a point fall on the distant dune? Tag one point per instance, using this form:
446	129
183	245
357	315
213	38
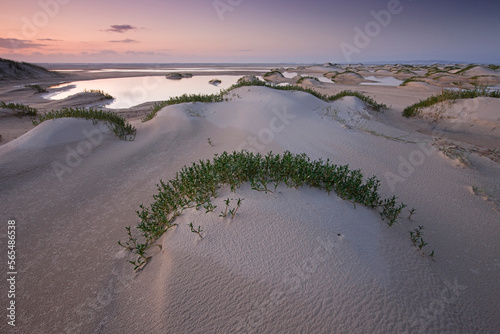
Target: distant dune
13	70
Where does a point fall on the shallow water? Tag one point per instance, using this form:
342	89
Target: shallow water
184	69
320	78
290	75
129	92
382	81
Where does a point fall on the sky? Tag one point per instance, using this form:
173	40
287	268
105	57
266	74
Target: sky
249	31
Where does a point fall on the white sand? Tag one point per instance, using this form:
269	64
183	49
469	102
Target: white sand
280	266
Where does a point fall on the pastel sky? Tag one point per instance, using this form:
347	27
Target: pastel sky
208	31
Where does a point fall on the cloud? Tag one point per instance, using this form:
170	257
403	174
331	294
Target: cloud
99	53
49	39
127	40
121	28
14	43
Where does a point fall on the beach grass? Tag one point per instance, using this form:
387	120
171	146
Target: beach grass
241	83
465	69
104	95
448	95
268	74
304	78
119	125
412	79
195	185
185	98
19	109
38	88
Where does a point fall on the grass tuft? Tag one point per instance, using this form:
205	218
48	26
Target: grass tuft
412	79
196	184
241	83
104	95
38	88
185	98
119	125
448	95
19	109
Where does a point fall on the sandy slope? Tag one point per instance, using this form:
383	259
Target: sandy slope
298	261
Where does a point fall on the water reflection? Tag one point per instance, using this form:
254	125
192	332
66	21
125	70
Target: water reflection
129	92
184	69
382	81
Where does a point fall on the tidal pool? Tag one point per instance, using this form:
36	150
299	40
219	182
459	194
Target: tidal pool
129	92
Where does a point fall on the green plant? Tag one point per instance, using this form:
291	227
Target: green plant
196	184
209	207
198	231
412	212
19	109
465	69
210	142
431	255
38	88
268	74
224	213
448	95
210	98
104	95
412	79
304	78
182	99
119	125
416	237
233	210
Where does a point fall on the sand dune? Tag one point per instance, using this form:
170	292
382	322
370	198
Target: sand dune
293	261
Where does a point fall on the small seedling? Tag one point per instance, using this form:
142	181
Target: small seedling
210	142
412	211
198	231
233	211
209	207
224	214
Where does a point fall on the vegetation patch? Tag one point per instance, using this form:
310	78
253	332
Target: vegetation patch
306	77
412	79
195	185
38	88
185	98
119	125
347	72
465	69
268	74
19	109
448	95
104	95
246	83
22	66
